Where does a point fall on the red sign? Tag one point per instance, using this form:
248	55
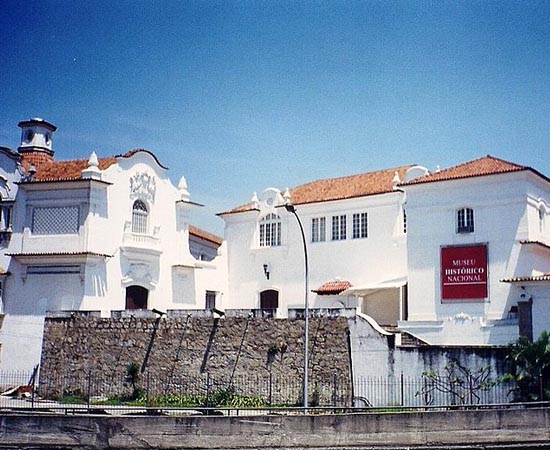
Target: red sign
464	272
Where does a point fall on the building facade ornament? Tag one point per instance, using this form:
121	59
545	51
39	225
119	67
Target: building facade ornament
143	186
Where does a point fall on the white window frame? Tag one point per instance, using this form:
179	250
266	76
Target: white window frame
339	227
270	231
140	217
318	229
465	221
360	227
210	299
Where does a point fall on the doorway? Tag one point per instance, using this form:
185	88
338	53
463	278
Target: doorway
269	302
136	297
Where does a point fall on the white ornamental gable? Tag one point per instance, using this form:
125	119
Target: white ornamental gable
143	186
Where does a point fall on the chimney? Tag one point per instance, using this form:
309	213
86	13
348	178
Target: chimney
36	141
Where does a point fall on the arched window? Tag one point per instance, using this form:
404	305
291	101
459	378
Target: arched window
270	231
139	217
465	220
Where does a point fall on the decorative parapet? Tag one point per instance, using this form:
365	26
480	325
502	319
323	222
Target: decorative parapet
140	240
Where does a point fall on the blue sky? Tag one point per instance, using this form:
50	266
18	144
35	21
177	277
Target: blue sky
239	96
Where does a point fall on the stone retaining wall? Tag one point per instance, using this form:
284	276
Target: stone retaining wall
170	348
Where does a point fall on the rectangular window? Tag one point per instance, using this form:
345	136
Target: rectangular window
270	231
210	300
404	221
318	229
5	218
360	226
55	220
465	220
53	270
338	228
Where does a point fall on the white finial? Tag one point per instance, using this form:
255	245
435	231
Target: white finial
396	180
92	172
182	188
287	197
93	161
255	201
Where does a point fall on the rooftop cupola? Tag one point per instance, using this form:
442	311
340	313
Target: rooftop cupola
36	141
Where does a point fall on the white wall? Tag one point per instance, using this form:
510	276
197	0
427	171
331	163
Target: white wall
502	219
161	263
380	256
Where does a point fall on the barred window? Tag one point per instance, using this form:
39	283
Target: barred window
404	221
139	217
55	220
338	228
318	229
465	220
360	225
270	231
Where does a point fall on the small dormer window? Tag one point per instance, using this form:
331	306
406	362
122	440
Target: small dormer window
270	231
465	220
139	217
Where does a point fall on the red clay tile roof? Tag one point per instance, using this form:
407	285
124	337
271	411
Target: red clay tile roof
543	277
59	254
202	234
362	185
68	170
488	165
538	243
72	169
333	287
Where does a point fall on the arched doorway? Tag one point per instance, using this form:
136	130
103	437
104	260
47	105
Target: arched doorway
269	302
136	297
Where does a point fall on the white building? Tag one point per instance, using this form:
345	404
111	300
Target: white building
103	234
478	250
457	257
355	236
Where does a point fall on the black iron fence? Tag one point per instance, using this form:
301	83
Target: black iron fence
19	389
203	390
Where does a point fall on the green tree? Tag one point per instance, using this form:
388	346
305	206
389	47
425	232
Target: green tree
132	376
530	368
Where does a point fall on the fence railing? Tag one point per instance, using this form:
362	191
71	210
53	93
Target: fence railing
20	389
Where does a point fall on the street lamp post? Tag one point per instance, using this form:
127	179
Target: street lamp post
291	209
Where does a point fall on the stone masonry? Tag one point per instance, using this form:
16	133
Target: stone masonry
241	351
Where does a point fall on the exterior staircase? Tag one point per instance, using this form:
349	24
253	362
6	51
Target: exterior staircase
407	339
